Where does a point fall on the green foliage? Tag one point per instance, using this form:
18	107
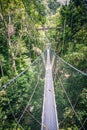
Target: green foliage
22	46
53	5
22	93
36	10
16	52
71	42
70	88
17	46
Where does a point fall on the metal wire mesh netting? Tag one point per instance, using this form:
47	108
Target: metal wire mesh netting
71	95
21	103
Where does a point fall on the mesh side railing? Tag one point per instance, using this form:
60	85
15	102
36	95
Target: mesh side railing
21	101
71	93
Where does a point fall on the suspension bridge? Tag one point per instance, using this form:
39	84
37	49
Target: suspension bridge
49	118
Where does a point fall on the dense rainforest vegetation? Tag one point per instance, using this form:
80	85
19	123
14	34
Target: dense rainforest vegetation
22	43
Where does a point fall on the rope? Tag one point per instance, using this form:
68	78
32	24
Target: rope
14	115
37	120
26	107
56	103
29	100
69	112
74	103
12	80
83	123
71	104
85	74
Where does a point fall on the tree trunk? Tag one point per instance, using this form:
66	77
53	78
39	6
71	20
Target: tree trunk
12	55
8	31
2	73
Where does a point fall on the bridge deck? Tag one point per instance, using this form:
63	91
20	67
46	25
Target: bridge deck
49	116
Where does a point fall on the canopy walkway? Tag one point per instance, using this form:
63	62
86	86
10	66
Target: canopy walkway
62	70
49	116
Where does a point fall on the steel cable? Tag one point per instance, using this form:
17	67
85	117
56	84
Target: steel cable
71	104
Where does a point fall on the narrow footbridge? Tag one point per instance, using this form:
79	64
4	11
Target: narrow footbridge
49	120
49	114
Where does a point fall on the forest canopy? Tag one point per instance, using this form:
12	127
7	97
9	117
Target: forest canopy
21	44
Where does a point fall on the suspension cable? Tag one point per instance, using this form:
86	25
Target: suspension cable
71	104
61	122
74	103
27	105
83	123
12	80
13	114
85	74
29	100
36	120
